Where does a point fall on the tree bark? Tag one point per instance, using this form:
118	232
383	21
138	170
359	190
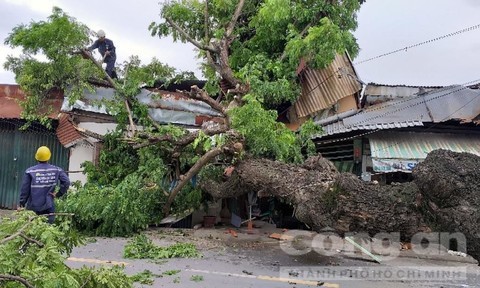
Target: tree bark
450	184
17	279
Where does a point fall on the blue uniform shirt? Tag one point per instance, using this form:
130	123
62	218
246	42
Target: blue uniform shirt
103	46
38	183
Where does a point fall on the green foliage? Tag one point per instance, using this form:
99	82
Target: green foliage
103	277
265	137
188	199
304	137
171	272
196	278
117	160
271	37
42	263
269	80
147	74
144	277
212	172
127	189
113	211
53	41
141	247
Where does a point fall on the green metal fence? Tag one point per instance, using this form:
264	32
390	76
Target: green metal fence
17	153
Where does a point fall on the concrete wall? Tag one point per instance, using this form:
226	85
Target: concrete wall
85	151
80	153
99	128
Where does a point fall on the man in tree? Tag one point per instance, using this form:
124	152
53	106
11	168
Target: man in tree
39	183
107	50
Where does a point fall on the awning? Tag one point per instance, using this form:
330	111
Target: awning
402	151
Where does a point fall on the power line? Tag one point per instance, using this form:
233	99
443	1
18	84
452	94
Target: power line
395	51
421	43
435	124
380	107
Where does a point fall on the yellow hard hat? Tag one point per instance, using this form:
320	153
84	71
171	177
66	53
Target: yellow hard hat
43	154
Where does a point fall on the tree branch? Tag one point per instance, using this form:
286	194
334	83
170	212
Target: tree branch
189	138
16	278
200	94
185	140
39	244
86	54
189	38
154	140
304	31
130	118
233	22
205	159
20	231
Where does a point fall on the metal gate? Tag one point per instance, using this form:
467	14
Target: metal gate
17	153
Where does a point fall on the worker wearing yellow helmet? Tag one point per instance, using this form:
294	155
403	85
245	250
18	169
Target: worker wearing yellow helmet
39	185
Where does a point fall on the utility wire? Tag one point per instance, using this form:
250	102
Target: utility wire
396	103
393	52
435	124
421	43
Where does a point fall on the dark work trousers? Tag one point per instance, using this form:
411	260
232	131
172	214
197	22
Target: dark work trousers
51	218
110	69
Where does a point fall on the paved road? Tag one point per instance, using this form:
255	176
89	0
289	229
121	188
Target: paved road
234	263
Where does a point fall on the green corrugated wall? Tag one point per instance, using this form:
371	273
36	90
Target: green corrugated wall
17	153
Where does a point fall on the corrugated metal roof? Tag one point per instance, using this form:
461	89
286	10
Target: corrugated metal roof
164	106
409	145
404	85
376	93
450	103
340	127
323	88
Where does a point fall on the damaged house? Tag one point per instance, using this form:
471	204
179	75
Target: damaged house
88	118
381	132
326	95
77	129
396	129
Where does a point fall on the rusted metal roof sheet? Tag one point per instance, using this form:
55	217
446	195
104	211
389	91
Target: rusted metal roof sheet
11	94
449	103
323	88
164	107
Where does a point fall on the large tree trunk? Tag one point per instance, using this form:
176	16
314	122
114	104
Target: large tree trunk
450	187
445	187
323	197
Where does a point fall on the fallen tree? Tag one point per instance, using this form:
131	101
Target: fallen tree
323	197
443	198
253	48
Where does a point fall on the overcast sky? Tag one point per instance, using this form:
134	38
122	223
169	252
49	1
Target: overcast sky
384	26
